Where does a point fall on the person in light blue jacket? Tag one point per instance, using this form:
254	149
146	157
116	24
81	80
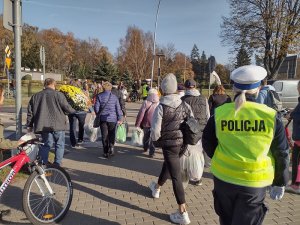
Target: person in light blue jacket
262	97
108	106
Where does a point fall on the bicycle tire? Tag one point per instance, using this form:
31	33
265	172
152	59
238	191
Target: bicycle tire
28	203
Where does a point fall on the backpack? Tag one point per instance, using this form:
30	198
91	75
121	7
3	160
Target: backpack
191	130
273	100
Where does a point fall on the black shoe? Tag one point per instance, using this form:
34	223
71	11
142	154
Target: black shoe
105	155
197	183
151	156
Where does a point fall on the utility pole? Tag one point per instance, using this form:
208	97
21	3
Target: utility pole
43	61
17	50
161	54
184	69
154	37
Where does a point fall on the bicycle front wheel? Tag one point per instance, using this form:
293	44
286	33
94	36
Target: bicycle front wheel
42	207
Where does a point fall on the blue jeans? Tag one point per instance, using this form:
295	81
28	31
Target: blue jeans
147	142
56	137
73	123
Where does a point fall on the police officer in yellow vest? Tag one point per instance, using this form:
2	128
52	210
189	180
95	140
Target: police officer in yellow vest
145	89
249	152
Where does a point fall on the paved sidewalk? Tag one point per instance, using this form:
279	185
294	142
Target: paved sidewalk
115	191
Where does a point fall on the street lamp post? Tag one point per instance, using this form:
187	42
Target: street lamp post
154	42
161	54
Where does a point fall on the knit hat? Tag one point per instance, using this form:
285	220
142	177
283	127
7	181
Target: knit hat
169	84
180	87
107	86
152	91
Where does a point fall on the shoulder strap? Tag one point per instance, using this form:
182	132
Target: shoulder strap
148	108
104	105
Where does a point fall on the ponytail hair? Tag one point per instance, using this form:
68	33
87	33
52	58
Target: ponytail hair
241	97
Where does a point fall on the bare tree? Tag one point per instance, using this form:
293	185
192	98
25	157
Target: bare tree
270	28
134	53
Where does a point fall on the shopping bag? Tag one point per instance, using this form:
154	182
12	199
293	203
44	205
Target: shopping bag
195	164
90	130
192	161
121	133
137	137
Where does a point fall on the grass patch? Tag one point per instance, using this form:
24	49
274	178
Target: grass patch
23	173
5	171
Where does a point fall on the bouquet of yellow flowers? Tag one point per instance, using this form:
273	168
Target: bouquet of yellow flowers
75	96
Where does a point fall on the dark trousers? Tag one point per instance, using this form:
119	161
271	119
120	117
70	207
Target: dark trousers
295	163
236	205
108	132
73	124
147	142
171	168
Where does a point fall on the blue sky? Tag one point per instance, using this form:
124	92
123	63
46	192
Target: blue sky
181	22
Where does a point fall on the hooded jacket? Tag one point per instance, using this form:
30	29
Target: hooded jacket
167	120
146	112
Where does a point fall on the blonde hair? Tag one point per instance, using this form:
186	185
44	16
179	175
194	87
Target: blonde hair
219	90
107	86
241	98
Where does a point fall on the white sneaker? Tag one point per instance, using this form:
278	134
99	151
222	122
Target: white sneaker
155	192
179	218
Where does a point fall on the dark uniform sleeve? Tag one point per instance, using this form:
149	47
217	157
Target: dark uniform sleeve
209	138
280	151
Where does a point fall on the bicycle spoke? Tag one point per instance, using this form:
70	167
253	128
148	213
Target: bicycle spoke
43	206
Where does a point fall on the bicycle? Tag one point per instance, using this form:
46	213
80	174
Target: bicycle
48	191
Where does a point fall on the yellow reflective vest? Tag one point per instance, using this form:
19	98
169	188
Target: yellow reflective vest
243	155
144	90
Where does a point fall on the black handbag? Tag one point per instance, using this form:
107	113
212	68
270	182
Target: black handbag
97	119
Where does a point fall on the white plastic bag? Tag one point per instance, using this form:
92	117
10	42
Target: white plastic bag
192	161
137	137
90	130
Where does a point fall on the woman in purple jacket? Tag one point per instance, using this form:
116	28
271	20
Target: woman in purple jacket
144	118
108	106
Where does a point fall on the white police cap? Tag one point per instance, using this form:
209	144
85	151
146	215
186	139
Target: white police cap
248	77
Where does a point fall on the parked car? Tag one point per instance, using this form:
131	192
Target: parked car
287	90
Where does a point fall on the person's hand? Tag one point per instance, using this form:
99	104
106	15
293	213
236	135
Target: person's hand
288	116
276	193
120	122
20	142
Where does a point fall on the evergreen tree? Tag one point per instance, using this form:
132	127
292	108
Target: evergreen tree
203	68
243	57
195	61
127	78
259	61
106	71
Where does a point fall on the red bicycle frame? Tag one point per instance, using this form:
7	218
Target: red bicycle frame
20	160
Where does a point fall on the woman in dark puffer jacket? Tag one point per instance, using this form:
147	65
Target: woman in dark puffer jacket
166	133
